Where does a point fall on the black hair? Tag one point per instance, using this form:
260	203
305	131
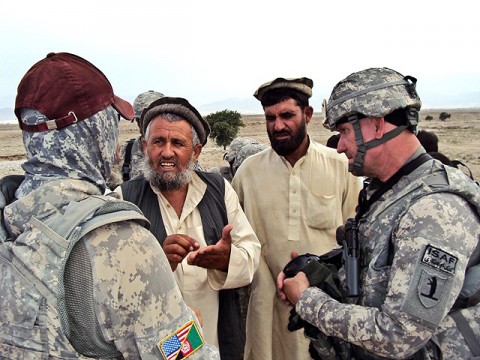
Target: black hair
439	156
275	96
333	140
429	140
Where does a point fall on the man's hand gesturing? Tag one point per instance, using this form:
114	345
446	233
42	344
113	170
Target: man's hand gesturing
177	246
214	256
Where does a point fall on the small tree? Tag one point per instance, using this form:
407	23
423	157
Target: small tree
429	117
224	126
444	116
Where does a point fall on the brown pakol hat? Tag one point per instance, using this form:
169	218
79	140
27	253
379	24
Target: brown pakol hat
304	85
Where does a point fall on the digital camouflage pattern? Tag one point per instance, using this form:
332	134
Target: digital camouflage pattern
85	150
136	157
247	150
373	92
137	300
142	101
235	147
404	302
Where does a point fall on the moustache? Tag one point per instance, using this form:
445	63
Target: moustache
284	132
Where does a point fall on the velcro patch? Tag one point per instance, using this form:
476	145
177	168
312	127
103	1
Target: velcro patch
430	289
182	343
439	259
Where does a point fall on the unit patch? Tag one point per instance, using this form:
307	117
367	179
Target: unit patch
439	259
182	343
430	288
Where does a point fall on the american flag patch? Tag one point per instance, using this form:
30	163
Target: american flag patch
182	343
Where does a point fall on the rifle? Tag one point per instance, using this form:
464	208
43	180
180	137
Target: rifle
347	237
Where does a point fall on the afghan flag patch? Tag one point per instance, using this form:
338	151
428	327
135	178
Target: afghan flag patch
182	343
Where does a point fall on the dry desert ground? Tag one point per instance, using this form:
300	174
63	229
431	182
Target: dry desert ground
459	138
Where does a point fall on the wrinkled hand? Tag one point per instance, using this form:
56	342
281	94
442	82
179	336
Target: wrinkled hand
214	256
177	247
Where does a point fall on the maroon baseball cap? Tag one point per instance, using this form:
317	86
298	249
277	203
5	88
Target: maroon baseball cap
66	88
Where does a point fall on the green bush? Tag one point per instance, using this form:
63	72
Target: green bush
224	126
444	116
429	117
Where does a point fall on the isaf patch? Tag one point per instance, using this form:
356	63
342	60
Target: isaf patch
439	259
182	343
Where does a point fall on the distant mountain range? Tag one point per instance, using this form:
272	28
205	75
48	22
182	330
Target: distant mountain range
252	106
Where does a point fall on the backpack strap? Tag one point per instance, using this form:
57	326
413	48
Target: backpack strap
127	160
467	332
75	301
97	209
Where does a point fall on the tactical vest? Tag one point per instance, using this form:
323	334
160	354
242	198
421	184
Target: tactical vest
127	167
213	212
35	302
382	218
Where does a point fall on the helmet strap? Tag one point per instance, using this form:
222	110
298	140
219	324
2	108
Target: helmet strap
362	146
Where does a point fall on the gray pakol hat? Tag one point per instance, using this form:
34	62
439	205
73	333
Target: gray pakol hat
303	85
180	107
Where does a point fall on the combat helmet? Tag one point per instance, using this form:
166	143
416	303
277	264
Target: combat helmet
246	151
374	92
235	147
142	101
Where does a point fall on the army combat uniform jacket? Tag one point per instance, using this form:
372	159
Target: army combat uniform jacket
132	309
415	243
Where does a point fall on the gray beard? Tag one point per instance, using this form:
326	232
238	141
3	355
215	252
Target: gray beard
168	181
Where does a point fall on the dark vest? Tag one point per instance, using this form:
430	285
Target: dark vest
213	211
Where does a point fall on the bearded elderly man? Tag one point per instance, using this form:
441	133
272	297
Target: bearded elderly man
197	218
302	192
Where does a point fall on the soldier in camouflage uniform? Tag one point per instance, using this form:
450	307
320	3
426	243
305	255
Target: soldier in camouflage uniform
418	225
132	152
235	146
81	275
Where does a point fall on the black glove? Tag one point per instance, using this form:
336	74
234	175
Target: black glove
325	277
321	272
9	185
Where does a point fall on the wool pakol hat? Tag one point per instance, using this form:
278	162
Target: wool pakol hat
303	85
180	107
66	88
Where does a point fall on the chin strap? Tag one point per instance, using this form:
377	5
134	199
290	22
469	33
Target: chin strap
362	146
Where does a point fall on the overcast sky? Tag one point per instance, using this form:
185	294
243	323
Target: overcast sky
209	50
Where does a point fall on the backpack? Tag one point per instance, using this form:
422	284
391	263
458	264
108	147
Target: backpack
23	319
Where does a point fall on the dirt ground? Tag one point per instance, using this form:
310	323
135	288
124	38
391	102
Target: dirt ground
459	138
